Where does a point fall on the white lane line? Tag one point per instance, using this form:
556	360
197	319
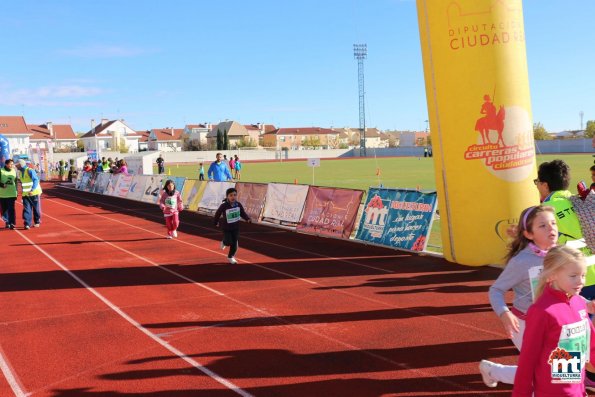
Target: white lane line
283	320
341	291
11	377
251	307
136	324
245	238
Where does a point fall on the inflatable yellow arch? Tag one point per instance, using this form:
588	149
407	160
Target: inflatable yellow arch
479	106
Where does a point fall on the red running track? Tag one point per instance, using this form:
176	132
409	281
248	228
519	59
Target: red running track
97	302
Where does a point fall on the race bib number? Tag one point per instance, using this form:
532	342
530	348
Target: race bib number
232	215
534	274
567	361
171	202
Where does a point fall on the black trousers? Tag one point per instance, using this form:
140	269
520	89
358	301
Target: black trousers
230	238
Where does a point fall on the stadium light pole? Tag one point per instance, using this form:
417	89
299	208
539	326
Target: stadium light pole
360	52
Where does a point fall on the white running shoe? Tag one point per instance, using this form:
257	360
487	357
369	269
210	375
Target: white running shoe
169	237
233	261
485	367
174	233
222	245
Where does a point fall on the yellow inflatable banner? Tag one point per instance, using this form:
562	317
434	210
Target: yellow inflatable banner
477	90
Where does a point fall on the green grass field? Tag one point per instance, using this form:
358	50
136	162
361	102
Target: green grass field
401	172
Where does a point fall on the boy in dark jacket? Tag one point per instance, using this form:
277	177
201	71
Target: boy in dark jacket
230	223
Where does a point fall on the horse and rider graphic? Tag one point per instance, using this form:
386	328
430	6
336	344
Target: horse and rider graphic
492	121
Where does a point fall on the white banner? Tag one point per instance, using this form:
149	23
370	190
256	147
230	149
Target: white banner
101	181
152	189
213	196
137	187
285	202
123	185
110	190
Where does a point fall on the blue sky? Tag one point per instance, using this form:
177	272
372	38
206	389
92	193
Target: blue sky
169	63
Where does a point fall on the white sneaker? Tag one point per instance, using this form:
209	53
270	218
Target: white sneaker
169	237
175	233
222	245
36	225
233	261
485	367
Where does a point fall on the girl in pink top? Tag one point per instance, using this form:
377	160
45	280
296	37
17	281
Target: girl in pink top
558	339
171	204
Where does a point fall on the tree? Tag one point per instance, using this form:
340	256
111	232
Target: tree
219	140
590	130
225	140
540	133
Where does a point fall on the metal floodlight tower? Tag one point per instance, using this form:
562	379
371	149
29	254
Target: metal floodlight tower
360	52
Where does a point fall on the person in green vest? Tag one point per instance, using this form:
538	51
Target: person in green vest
8	193
31	194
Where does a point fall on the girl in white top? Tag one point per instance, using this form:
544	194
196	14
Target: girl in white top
536	234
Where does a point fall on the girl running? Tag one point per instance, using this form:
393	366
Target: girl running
536	234
558	340
171	205
230	223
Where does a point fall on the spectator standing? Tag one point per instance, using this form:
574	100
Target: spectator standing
219	171
160	166
31	193
201	172
8	193
238	169
122	168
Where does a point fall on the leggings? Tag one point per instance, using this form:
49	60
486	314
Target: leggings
230	238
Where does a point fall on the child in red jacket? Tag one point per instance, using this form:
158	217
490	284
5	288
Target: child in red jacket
171	204
558	339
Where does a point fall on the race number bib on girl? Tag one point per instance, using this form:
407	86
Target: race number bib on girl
568	359
171	202
232	215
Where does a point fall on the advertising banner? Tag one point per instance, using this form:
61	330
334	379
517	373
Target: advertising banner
330	211
83	181
252	196
284	203
91	183
152	188
123	185
213	196
479	107
101	181
137	187
397	218
192	193
110	190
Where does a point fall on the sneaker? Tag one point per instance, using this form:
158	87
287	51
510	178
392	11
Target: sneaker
174	233
27	227
11	227
485	367
36	225
233	261
589	384
169	237
222	245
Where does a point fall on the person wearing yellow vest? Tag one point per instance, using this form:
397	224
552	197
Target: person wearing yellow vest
31	194
8	193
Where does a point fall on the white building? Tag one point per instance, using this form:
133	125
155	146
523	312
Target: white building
111	135
62	136
197	133
166	139
15	130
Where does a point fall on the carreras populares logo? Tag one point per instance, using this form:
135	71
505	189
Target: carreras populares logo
504	141
375	217
566	366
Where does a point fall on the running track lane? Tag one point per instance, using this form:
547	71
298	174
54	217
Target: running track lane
347	329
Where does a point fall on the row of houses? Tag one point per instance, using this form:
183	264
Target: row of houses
116	135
